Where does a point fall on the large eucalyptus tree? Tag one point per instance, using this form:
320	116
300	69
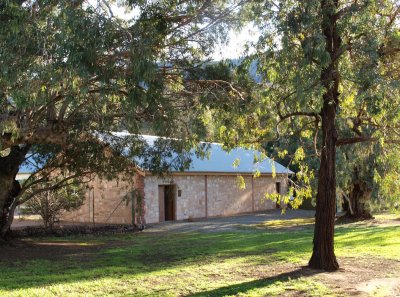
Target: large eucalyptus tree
329	72
328	61
72	70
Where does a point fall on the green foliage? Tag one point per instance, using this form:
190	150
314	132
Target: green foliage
386	177
236	163
376	166
72	72
71	69
240	182
282	112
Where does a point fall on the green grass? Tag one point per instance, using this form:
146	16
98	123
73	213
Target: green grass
242	263
279	224
388	216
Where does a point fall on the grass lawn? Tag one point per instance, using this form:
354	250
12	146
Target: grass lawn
262	260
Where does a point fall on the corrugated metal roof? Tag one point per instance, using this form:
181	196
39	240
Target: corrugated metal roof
221	161
217	161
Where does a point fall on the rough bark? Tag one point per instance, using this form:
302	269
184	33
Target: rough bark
6	199
6	227
10	188
323	256
51	134
359	196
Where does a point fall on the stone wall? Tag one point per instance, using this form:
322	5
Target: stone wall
151	198
224	197
191	203
263	185
110	204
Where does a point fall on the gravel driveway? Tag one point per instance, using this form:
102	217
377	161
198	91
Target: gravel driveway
203	225
228	223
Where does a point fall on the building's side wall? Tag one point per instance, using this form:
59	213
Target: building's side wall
263	185
110	205
151	198
266	184
220	193
191	203
224	196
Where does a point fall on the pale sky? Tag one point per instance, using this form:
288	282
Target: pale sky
234	49
236	44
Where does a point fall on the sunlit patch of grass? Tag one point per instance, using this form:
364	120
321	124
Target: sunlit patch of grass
311	287
63	243
253	263
388	216
382	242
265	287
289	223
28	217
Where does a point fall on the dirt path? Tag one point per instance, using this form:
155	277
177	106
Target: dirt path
364	277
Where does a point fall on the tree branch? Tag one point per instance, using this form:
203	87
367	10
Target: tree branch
347	10
352	140
297	113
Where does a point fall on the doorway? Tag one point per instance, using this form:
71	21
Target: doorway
278	191
167	202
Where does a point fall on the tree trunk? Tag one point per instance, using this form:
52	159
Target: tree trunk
323	256
6	199
360	194
6	227
10	188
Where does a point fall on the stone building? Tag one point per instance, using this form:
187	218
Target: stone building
209	188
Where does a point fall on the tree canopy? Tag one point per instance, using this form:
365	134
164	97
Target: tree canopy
72	70
328	78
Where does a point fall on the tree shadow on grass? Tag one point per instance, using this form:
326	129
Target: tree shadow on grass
20	250
259	283
40	263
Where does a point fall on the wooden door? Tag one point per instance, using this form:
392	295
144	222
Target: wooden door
278	191
161	203
169	203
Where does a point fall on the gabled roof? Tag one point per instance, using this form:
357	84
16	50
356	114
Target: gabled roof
217	160
221	161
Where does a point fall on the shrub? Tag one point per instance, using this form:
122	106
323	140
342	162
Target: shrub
50	204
